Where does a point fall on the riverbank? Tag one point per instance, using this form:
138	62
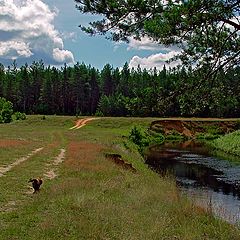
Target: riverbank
91	196
229	143
194	128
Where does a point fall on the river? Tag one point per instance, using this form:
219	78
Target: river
211	182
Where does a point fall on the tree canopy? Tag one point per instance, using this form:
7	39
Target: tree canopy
207	31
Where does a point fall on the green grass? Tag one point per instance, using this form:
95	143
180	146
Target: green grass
229	143
93	198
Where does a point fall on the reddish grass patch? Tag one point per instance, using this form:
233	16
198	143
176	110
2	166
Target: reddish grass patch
83	155
11	142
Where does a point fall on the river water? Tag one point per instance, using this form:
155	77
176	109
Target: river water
211	182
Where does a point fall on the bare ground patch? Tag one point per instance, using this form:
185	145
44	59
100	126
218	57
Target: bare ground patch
190	128
117	159
51	173
9	207
82	122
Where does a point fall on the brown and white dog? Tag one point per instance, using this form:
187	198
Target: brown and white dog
36	183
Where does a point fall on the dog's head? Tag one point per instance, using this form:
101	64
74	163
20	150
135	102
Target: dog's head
36	180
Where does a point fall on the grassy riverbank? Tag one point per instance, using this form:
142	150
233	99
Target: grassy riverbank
229	143
91	197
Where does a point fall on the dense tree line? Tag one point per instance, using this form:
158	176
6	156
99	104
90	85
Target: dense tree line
84	90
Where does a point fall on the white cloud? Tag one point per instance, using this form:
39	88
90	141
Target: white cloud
62	55
155	60
14	49
27	30
147	44
69	35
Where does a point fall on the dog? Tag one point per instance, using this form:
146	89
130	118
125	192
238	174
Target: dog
36	183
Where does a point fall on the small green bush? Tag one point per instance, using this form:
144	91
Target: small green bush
6	111
143	139
137	136
20	116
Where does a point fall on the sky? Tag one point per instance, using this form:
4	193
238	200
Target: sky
31	30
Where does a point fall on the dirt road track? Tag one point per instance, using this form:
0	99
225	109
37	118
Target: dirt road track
7	168
82	122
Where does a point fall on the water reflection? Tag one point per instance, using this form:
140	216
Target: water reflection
212	182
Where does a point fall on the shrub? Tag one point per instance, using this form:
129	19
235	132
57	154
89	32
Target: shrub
20	116
6	110
136	136
143	138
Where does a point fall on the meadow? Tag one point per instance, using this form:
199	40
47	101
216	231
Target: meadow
86	195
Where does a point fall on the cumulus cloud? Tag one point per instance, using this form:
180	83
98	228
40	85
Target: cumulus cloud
156	60
147	44
62	55
14	49
27	31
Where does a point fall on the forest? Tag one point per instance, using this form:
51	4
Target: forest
85	90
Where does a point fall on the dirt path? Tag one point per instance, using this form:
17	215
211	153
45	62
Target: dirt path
50	173
6	169
82	122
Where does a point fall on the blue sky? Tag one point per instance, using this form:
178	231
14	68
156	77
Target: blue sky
46	29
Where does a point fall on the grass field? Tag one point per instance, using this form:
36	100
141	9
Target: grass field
87	196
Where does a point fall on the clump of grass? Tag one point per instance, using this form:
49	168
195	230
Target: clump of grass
210	132
206	136
228	143
213	129
20	116
175	136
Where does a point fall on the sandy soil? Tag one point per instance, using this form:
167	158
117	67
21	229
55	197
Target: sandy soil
51	173
82	122
191	127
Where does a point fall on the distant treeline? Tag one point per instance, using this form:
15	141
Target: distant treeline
84	90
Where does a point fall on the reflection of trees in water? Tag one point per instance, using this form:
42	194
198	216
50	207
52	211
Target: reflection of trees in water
171	161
